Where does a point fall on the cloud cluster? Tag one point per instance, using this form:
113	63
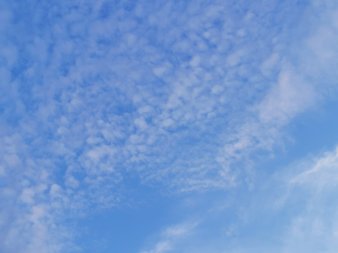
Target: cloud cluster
93	94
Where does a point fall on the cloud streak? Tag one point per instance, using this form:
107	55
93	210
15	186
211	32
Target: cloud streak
171	236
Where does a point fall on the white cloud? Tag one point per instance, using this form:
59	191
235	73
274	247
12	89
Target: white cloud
323	173
158	98
262	129
289	97
293	210
172	236
304	79
314	227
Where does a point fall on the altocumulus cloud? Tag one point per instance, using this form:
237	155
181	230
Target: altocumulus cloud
179	94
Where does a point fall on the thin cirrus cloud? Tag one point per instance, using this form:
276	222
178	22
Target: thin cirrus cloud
171	236
94	95
293	205
316	222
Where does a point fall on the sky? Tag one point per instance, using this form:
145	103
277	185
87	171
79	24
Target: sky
149	126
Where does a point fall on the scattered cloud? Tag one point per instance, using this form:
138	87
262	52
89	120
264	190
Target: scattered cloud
93	94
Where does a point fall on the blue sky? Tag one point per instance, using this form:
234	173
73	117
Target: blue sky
168	126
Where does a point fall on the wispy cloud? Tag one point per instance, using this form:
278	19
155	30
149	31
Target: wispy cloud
93	94
315	188
298	87
172	236
321	174
293	210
